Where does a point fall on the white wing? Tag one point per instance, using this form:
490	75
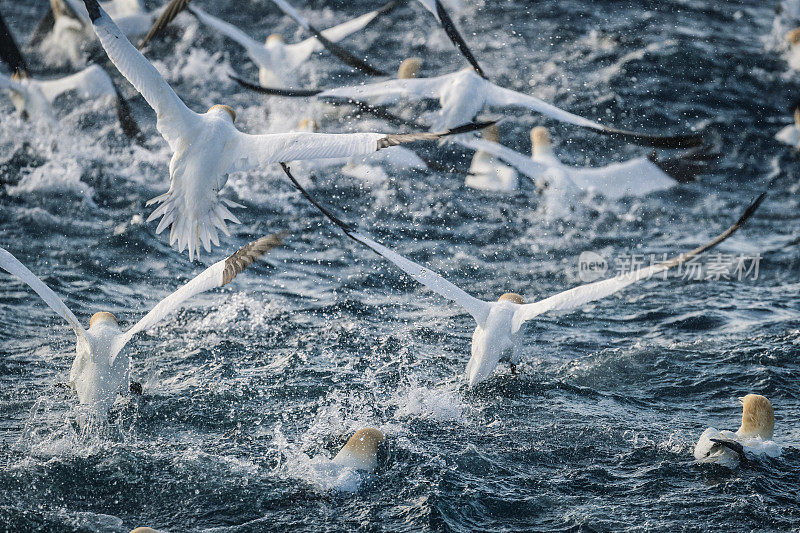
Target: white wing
501	97
521	162
252	151
300	52
217	275
292	12
416	87
91	82
12	265
232	32
578	296
636	177
174	119
477	308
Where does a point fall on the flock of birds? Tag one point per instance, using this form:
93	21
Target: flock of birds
208	146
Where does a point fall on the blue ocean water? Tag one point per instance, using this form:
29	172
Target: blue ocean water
246	385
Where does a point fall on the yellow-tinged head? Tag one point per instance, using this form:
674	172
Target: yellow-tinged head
228	109
540	137
793	36
102	316
361	451
144	530
308	124
758	418
491	133
275	38
409	68
512	297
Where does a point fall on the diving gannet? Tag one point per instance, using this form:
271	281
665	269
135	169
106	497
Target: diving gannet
207	147
33	98
101	369
636	177
753	437
277	60
496	337
486	172
361	450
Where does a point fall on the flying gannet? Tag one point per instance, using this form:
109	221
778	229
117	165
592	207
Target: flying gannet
496	337
753	437
33	98
101	369
636	177
207	147
464	94
277	61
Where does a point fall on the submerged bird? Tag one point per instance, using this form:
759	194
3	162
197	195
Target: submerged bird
277	61
791	134
496	337
753	437
361	450
486	172
101	369
33	98
636	177
207	147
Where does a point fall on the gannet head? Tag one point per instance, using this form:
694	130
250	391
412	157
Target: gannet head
361	451
144	530
512	297
793	36
275	38
222	107
103	316
409	68
758	419
307	124
491	134
797	116
540	141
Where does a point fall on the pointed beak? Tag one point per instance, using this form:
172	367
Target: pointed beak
741	399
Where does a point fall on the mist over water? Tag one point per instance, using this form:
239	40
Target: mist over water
249	388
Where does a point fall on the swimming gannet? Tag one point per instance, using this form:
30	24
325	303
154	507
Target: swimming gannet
207	147
486	172
464	94
277	61
33	98
101	369
496	337
636	177
361	450
754	436
66	25
791	134
793	53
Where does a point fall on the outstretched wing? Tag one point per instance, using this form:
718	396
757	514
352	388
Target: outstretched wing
167	15
454	35
421	88
583	294
174	118
11	264
253	151
219	274
298	53
477	308
523	163
502	97
230	31
341	53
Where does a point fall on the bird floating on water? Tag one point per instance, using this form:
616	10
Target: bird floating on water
754	436
101	369
496	338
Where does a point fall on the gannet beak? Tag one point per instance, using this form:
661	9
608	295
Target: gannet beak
741	399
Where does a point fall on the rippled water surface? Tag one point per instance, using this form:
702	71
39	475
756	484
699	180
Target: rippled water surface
247	385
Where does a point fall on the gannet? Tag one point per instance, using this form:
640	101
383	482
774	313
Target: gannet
636	177
443	18
101	369
754	436
791	134
496	337
793	54
207	147
361	450
277	61
66	25
464	94
486	172
33	98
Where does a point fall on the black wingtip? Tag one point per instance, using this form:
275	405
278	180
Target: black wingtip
291	93
344	55
731	445
93	8
9	51
751	209
126	121
466	128
455	37
347	228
